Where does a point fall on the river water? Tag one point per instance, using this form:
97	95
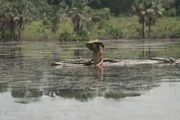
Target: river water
31	89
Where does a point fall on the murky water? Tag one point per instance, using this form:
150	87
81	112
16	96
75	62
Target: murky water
30	89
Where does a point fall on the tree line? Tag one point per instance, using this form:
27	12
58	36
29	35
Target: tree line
15	13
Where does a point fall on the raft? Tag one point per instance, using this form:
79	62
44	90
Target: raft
84	62
116	62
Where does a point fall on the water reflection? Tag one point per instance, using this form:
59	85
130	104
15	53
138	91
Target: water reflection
28	74
11	51
147	53
85	83
89	93
25	96
26	93
3	87
33	95
98	72
78	94
31	89
78	53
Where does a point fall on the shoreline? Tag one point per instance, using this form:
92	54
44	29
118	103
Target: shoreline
114	28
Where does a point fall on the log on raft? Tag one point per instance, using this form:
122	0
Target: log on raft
85	62
88	62
165	60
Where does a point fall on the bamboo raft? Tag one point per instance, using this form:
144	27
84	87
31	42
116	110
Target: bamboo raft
111	61
85	62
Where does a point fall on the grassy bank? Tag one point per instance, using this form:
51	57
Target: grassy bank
114	28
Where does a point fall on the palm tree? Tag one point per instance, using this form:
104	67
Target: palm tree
148	11
55	17
57	14
139	8
155	10
11	20
81	16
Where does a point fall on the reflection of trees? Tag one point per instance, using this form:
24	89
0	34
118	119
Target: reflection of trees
120	94
10	57
26	95
119	82
86	94
79	94
142	55
81	84
177	65
133	78
78	53
3	87
29	93
11	52
146	53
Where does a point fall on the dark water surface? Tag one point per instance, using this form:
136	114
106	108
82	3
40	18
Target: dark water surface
30	89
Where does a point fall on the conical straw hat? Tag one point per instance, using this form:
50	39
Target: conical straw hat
89	44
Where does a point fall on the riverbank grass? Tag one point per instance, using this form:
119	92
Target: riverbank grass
114	28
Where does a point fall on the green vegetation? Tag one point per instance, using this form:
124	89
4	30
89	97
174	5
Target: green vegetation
78	20
114	28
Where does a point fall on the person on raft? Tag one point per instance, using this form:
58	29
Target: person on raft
97	57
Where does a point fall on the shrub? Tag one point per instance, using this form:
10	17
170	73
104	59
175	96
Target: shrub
114	32
175	33
171	12
66	36
101	14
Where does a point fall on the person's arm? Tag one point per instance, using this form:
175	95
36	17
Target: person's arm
101	57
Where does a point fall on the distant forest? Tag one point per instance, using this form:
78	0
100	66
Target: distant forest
15	13
38	8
